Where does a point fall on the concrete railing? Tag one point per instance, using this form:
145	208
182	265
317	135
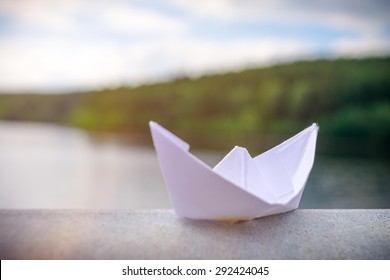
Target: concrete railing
160	234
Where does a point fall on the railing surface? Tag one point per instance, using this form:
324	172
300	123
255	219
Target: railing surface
160	234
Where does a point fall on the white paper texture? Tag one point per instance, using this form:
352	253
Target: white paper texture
239	187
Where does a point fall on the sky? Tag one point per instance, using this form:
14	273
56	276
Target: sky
71	45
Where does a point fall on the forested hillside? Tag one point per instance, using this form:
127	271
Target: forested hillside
349	99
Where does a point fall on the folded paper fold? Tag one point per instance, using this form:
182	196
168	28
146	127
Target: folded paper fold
239	187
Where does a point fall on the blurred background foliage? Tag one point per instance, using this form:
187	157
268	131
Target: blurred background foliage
255	108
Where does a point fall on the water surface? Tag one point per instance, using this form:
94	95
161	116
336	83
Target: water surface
49	166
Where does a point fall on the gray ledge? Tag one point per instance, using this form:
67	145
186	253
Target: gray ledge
160	234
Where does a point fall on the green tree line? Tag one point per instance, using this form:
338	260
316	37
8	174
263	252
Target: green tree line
348	98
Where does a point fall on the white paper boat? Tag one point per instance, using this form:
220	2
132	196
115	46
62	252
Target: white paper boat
239	187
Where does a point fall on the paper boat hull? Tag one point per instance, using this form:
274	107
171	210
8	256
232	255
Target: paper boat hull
200	192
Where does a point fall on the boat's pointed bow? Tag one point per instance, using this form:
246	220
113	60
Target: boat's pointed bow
307	160
158	133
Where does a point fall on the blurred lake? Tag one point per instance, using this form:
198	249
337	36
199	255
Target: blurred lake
49	166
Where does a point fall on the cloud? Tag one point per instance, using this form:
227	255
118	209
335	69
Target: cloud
199	56
52	15
77	44
361	46
60	63
134	20
366	24
57	63
356	15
